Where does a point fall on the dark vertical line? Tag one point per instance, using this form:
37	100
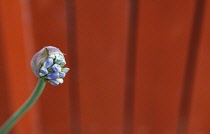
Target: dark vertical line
4	101
72	48
130	67
190	68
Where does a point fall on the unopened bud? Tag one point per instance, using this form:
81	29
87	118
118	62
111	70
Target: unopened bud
48	63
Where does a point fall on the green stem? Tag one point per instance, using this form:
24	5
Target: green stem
25	107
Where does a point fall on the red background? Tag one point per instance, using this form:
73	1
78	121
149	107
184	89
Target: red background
137	66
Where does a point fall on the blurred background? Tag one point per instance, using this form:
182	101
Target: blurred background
137	66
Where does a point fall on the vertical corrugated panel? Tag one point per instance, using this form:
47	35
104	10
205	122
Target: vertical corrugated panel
17	64
75	127
164	33
138	66
4	99
189	78
199	115
49	28
101	39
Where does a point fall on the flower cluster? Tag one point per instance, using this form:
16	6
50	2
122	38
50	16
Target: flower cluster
49	63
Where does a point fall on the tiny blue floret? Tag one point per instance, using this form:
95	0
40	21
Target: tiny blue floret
48	62
56	68
62	74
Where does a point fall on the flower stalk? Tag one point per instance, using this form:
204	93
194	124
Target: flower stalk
25	107
48	65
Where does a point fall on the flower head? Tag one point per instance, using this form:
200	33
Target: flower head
49	64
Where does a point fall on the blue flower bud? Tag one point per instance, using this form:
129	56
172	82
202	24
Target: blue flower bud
48	63
63	63
65	70
62	75
43	71
53	75
58	61
56	68
60	80
54	82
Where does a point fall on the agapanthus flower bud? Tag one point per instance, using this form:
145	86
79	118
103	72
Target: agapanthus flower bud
49	63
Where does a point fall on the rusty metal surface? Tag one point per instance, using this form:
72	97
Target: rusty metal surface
137	66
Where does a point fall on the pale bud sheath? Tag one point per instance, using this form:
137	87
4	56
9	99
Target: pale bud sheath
49	64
